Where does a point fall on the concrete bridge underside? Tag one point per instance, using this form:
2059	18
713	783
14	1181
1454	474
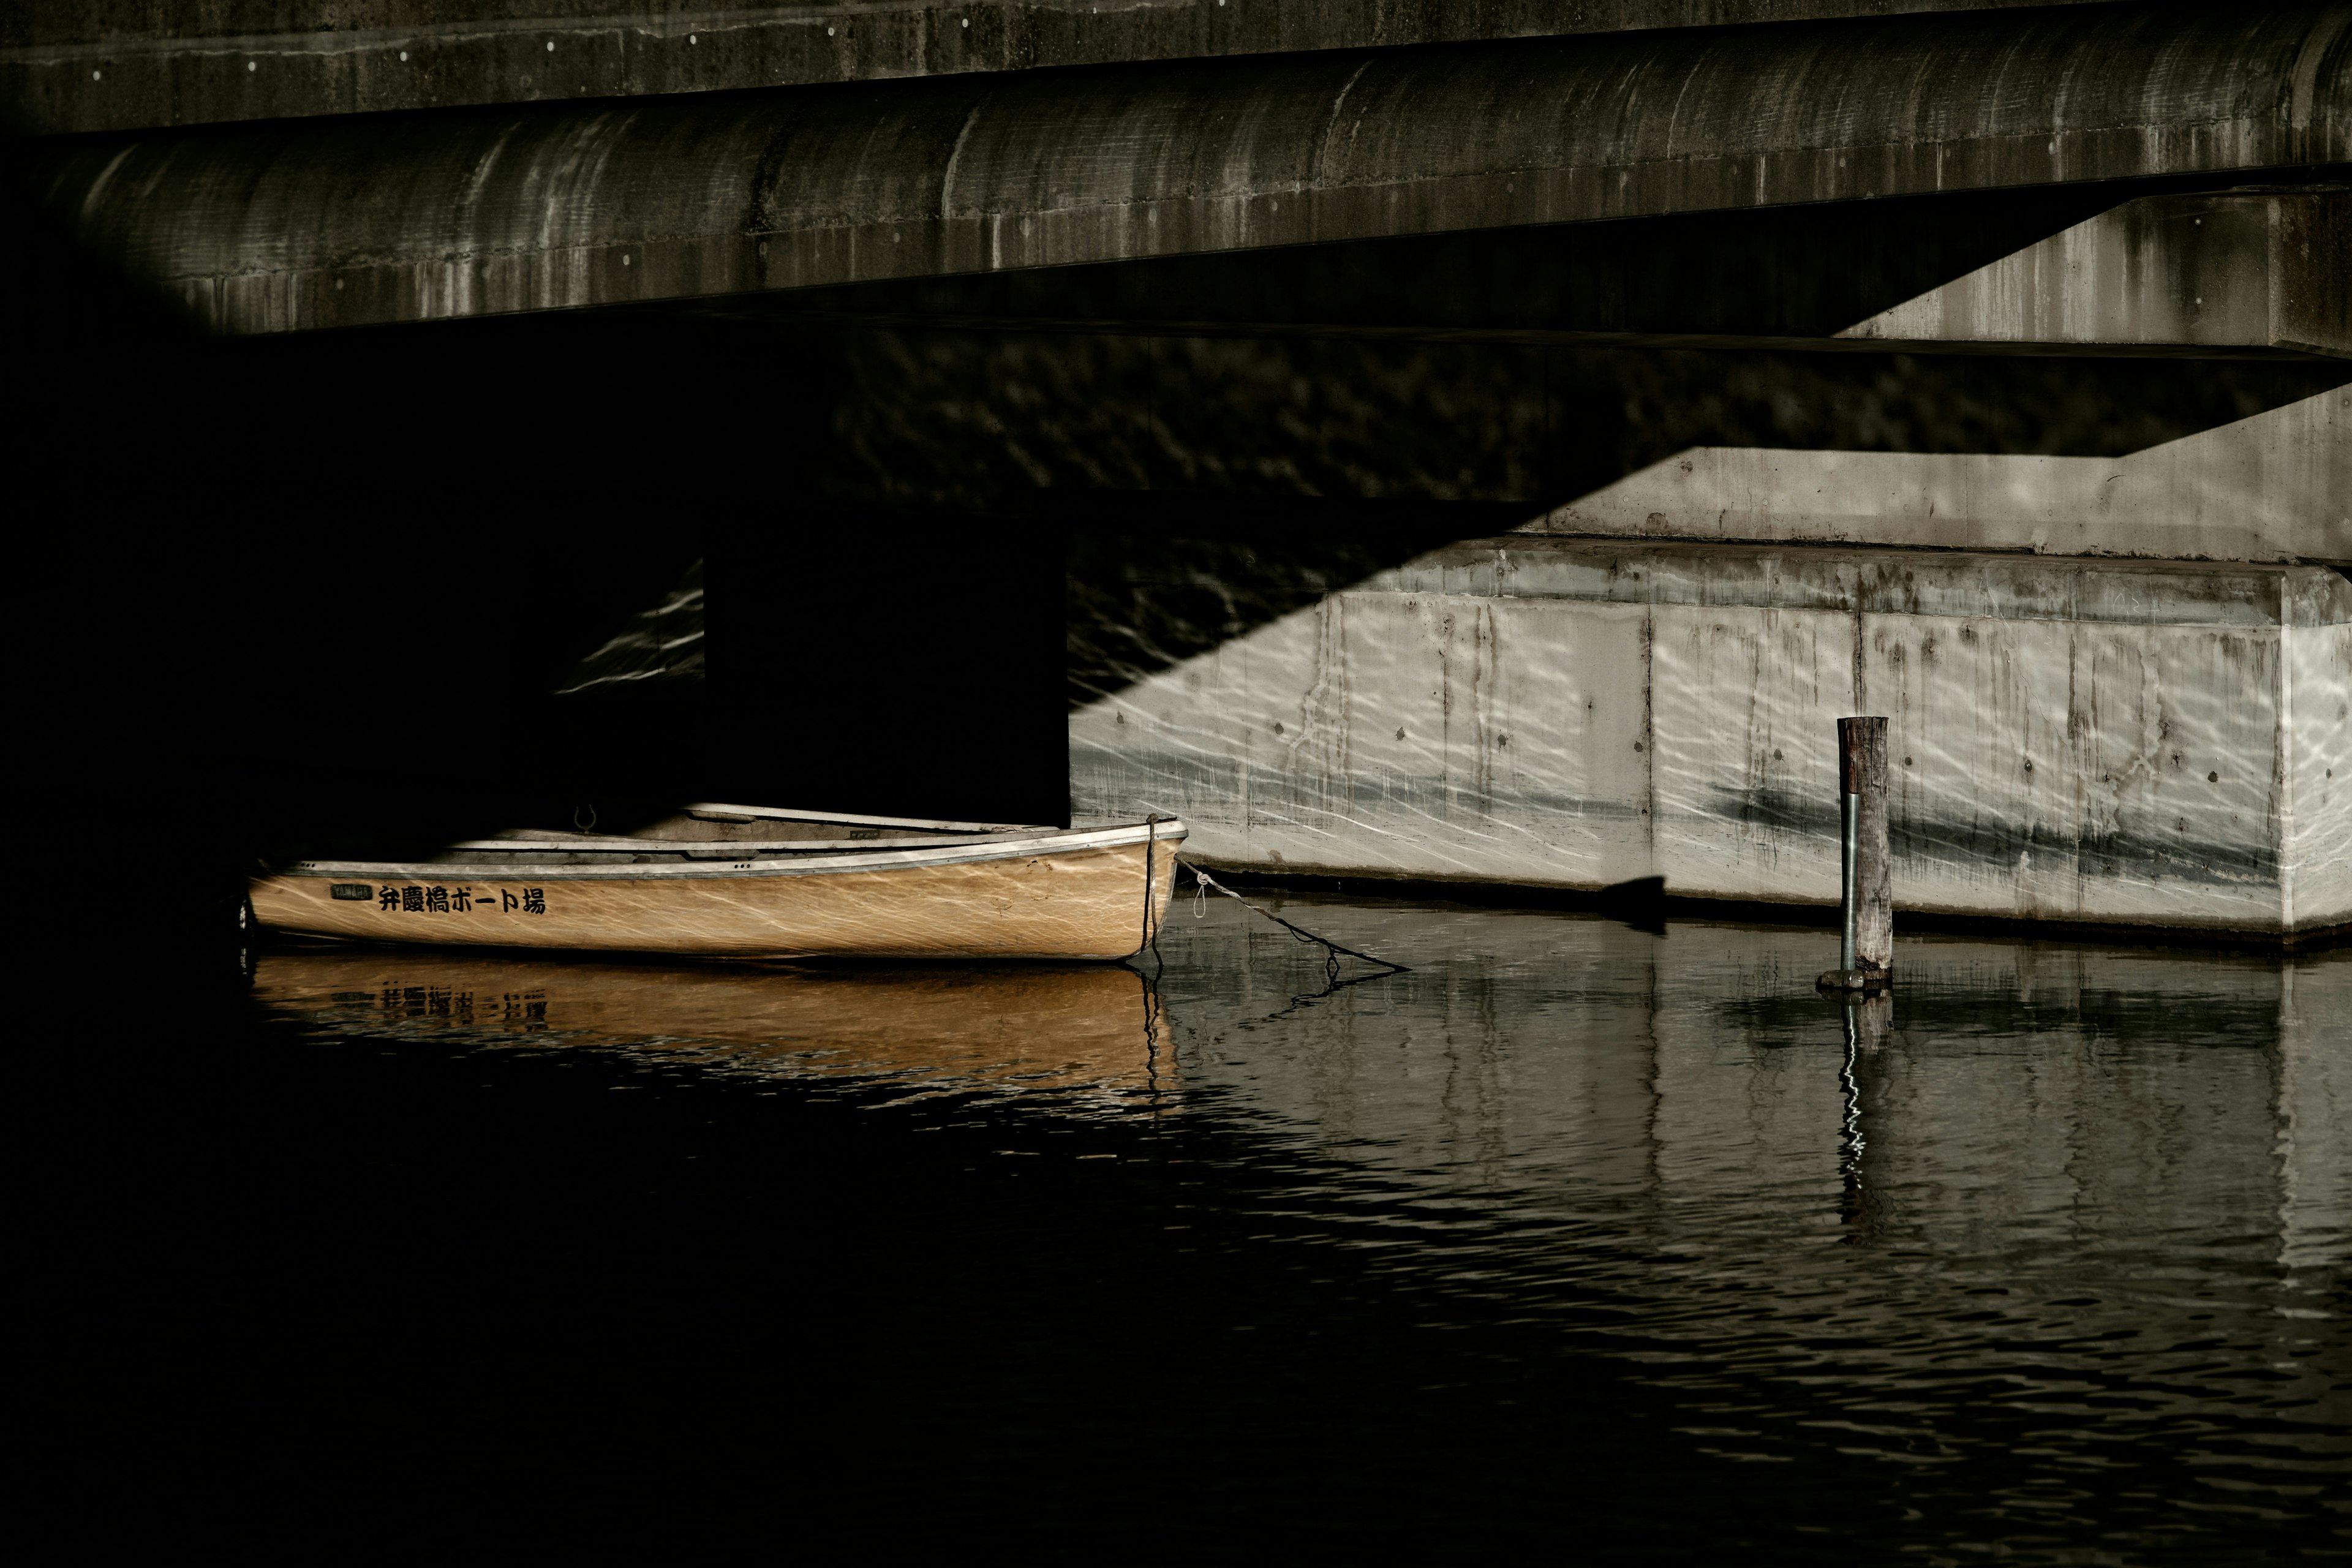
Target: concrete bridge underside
1493	454
323	223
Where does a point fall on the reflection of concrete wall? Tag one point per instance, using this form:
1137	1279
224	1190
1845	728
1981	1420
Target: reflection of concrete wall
2079	740
2315	1114
2082	1104
2275	487
1521	1052
1566	1066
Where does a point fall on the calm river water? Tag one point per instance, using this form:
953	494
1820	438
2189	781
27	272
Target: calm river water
1574	1238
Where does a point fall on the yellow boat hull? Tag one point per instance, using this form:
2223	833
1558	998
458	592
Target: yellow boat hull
1084	894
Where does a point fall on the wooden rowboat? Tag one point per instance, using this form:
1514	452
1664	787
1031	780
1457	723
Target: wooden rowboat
739	881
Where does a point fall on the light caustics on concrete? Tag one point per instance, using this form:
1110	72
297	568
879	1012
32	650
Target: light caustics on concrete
2160	744
298	224
2045	711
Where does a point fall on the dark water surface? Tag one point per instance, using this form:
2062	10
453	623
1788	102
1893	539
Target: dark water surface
1574	1239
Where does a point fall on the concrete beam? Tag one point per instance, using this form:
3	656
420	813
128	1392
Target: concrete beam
2002	271
2275	487
2271	270
299	224
67	66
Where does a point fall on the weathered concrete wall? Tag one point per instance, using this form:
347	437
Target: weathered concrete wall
2274	270
310	224
2276	486
70	65
2316	739
2132	743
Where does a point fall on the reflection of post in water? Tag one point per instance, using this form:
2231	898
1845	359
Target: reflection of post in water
1868	1019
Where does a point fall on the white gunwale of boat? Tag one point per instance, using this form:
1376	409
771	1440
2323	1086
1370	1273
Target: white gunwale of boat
779	814
1001	845
721	848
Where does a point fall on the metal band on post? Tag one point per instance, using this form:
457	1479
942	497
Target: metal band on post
1850	821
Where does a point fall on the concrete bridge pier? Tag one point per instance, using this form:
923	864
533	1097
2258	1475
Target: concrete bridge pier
1491	443
2120	683
2119	742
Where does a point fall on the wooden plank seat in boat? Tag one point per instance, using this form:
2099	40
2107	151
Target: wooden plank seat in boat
768	883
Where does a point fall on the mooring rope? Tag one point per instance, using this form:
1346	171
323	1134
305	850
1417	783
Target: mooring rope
1150	883
1297	932
1201	882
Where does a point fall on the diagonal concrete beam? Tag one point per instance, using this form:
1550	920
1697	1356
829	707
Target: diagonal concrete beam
280	226
2276	486
2240	273
2270	270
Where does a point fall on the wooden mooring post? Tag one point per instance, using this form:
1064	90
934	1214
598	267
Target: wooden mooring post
1866	907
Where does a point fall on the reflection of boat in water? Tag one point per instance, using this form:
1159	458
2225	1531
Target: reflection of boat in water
1035	1027
730	882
